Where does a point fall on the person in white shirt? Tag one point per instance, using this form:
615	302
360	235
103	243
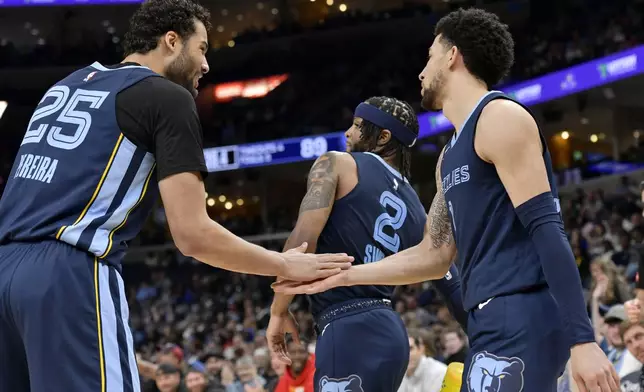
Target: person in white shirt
424	374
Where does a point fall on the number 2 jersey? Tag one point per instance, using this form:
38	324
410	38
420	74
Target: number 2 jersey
381	216
85	171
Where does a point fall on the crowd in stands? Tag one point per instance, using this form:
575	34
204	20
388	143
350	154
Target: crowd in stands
210	324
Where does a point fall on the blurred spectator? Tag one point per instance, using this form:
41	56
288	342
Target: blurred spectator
298	377
197	381
424	374
608	335
454	344
633	336
610	285
168	379
247	379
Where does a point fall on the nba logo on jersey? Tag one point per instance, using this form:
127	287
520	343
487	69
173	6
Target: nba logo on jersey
88	77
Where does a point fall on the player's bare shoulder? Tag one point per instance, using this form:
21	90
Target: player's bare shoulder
503	125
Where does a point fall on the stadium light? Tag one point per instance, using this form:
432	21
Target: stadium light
343	7
593	138
222	198
329	2
228	205
210	202
3	107
240	202
565	135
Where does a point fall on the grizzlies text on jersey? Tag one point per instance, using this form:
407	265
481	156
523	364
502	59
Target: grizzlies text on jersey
496	255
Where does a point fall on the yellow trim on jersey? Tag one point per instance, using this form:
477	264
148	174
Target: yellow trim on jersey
143	192
98	187
99	328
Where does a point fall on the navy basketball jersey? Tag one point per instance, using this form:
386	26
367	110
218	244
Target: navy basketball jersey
77	178
496	255
381	216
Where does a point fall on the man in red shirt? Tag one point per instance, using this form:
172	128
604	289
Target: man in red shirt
298	377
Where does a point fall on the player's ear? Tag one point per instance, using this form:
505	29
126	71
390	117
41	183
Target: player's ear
171	39
385	136
452	55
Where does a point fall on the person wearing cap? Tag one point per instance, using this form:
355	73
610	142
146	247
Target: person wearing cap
607	332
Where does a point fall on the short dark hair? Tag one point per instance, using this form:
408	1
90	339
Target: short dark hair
402	111
154	18
484	41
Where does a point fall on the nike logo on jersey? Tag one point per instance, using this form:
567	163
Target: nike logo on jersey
395	184
482	304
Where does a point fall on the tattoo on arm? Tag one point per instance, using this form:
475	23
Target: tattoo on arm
321	184
438	225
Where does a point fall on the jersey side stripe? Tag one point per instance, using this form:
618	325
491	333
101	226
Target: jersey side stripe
102	241
106	194
98	187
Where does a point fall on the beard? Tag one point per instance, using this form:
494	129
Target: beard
431	95
179	72
359	146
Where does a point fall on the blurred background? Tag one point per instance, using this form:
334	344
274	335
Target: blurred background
285	77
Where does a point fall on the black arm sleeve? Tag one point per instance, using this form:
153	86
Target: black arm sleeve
161	117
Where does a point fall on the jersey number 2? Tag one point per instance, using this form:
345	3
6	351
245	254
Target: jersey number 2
80	119
391	242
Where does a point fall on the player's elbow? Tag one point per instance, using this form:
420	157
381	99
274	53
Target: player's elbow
188	239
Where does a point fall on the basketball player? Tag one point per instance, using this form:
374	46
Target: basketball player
361	203
497	205
82	185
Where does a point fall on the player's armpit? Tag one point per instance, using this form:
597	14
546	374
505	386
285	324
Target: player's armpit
508	137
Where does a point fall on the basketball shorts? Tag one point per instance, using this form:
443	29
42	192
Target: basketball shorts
362	346
63	322
517	344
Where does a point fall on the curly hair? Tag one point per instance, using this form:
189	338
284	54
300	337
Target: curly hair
154	18
484	41
402	111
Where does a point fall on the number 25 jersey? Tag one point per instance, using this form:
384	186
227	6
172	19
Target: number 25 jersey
76	177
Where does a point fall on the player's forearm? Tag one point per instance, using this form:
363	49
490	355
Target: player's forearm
212	244
281	303
450	288
416	264
545	227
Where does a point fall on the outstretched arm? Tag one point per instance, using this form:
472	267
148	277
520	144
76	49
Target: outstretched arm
429	260
314	213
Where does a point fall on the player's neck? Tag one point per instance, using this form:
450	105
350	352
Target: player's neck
392	161
149	60
462	97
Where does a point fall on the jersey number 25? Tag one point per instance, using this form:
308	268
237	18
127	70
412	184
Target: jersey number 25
79	120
